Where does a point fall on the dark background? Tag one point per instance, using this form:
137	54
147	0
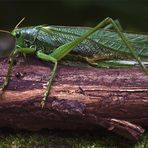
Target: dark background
132	14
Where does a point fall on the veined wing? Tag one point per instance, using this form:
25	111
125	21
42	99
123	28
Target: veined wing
102	39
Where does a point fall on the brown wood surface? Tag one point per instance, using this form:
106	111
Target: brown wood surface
81	98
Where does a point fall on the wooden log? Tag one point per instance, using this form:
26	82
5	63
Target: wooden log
81	98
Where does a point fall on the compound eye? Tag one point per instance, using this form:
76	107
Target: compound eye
18	34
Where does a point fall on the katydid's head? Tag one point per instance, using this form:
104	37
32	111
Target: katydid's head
24	36
18	34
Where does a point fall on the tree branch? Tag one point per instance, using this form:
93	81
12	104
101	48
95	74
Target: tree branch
81	98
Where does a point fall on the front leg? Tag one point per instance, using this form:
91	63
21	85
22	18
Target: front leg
11	59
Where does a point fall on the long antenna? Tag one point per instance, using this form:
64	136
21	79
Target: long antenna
4	31
15	26
19	22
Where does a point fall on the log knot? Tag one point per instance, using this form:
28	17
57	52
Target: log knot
69	106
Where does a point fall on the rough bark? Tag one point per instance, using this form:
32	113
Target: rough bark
81	98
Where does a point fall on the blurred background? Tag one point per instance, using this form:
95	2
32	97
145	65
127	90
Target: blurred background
132	14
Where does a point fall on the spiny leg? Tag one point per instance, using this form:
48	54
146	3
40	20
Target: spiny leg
127	43
122	36
12	58
46	57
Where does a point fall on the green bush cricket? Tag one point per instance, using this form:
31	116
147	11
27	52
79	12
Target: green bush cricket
99	46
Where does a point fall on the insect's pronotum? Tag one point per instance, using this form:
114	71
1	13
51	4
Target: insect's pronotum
105	45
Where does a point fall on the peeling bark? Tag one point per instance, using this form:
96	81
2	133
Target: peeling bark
81	98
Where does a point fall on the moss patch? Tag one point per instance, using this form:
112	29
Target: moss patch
66	139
